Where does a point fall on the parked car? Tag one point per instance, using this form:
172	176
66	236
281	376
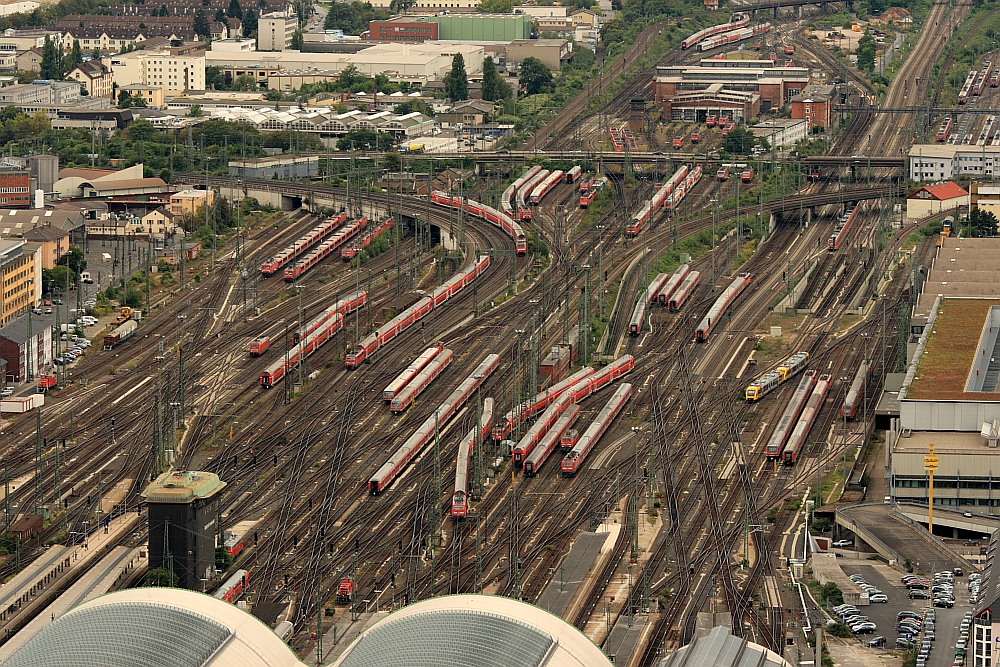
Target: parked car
843	543
878	597
876	642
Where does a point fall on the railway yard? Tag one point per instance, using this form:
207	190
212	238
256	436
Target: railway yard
389	423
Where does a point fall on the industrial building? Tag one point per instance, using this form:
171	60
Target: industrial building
416	63
183	513
938	162
282	167
461	27
155	627
950	395
782	132
935	198
815	105
748	86
25	347
15	187
330	125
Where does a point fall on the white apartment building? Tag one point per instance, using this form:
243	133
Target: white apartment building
937	162
174	74
275	30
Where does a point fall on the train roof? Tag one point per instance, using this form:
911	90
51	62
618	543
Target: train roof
475	631
130	627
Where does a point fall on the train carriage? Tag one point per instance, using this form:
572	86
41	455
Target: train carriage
573	461
736	21
721	305
414	444
796	441
856	394
234	587
776	443
463	462
672	283
684	292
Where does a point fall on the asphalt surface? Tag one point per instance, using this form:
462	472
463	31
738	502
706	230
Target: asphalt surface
884	615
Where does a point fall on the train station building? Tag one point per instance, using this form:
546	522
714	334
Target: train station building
773	85
950	394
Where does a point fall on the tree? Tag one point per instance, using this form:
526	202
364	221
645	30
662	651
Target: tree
161	576
235	10
495	6
297	40
866	52
535	77
740	141
401	6
982	223
75	56
494	87
195	111
456	81
74	259
351	77
214	78
250	22
52	66
366	140
127	100
414	105
201	25
57	277
220	16
245	82
353	18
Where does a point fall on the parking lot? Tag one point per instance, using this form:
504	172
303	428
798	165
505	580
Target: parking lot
885	615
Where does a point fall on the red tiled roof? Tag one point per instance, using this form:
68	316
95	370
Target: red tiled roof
945	191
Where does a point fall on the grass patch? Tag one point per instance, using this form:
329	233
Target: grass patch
951	347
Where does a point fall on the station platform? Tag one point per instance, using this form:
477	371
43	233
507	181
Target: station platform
566	582
97	581
38	584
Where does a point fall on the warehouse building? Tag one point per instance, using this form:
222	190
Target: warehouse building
950	395
774	84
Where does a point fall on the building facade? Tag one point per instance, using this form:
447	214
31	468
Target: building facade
17	270
53	243
774	84
275	31
934	199
402	31
183	510
939	162
25	347
175	74
815	104
95	77
15	187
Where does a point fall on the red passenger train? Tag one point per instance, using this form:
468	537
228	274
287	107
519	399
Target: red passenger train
324	249
374	341
463	462
302	245
573	461
721	305
273	373
487	213
413	445
348	253
234	587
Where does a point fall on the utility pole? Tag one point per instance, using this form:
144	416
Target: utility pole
435	495
585	327
38	458
180	348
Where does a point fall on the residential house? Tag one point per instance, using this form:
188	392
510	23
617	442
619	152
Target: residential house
95	77
54	242
469	112
30	60
935	198
158	223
